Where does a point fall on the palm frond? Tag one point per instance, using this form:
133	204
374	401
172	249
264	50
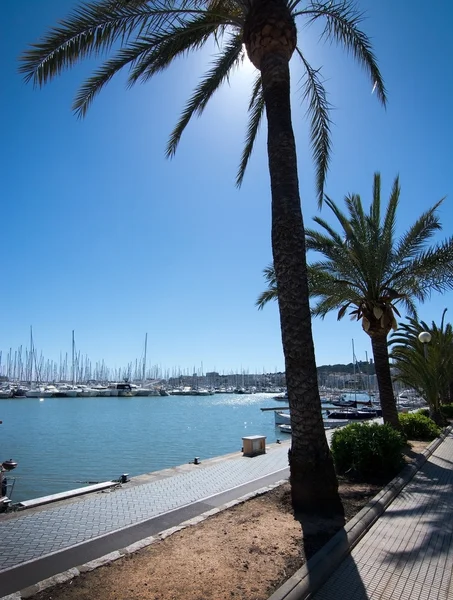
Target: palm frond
326	305
416	237
91	88
388	228
409	304
265	297
269	275
313	234
433	269
229	57
271	293
325	279
256	111
93	28
344	221
345	256
165	46
342	25
357	217
90	29
318	112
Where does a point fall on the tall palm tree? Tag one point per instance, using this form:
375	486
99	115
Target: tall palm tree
146	36
429	370
366	269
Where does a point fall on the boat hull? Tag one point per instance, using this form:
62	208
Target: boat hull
38	394
282	418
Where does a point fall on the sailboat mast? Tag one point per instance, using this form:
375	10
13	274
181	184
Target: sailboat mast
73	359
31	356
144	359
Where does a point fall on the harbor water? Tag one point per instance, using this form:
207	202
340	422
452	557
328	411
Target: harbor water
64	443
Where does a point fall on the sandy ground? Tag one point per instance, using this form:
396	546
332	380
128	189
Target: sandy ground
243	553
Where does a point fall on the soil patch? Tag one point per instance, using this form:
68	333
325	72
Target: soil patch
243	553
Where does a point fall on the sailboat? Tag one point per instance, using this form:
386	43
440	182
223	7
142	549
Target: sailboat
72	390
353	413
35	391
142	390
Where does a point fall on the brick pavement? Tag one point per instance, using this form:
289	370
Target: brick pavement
408	553
30	535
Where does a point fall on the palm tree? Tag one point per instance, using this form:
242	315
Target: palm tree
367	270
146	36
429	371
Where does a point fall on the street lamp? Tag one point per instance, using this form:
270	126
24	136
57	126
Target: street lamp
424	337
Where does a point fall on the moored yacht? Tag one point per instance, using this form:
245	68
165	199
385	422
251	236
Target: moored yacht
282	418
143	391
102	390
87	392
122	389
39	392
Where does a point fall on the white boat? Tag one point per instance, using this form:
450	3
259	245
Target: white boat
328	424
51	388
87	392
102	390
284	428
122	389
333	423
40	392
282	418
203	392
6	393
182	391
69	391
142	391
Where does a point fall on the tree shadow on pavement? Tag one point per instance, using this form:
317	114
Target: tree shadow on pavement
326	548
429	515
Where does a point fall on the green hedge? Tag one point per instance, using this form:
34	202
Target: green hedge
367	450
417	426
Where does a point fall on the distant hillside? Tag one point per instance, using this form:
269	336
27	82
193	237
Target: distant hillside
360	367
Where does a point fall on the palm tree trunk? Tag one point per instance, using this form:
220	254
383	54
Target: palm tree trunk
436	415
314	486
384	379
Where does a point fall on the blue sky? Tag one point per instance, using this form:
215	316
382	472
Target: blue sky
103	235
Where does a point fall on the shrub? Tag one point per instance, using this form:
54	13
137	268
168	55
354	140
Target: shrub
417	426
367	450
447	410
423	411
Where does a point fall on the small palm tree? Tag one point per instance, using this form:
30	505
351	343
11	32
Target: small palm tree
428	370
146	36
365	269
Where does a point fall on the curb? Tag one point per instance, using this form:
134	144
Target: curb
74	572
311	576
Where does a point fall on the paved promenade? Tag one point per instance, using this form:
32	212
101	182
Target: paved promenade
40	542
408	553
